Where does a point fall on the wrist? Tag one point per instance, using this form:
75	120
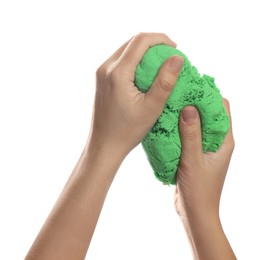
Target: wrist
201	220
207	237
103	152
202	227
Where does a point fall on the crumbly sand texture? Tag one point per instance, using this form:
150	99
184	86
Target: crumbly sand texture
162	144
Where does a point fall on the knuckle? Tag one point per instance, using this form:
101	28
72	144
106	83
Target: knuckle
192	134
109	73
112	70
165	84
100	71
113	75
141	36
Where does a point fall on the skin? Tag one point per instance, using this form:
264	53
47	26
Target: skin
200	180
118	109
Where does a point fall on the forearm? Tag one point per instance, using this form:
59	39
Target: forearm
207	238
69	228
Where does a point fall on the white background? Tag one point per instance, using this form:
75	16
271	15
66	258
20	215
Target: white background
49	51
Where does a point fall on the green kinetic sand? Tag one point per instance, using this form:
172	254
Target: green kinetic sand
162	144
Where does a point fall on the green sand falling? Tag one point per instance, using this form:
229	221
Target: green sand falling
162	144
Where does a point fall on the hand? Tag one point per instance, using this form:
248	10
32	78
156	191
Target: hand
122	114
200	176
200	180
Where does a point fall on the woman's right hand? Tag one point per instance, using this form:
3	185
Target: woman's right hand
200	180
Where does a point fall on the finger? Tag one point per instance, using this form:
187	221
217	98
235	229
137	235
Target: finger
135	50
157	95
229	139
190	132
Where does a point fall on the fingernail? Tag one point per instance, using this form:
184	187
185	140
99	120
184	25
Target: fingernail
189	115
176	64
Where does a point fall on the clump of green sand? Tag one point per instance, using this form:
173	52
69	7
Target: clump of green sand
162	144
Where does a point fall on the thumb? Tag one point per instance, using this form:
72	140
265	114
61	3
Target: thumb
164	83
190	132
